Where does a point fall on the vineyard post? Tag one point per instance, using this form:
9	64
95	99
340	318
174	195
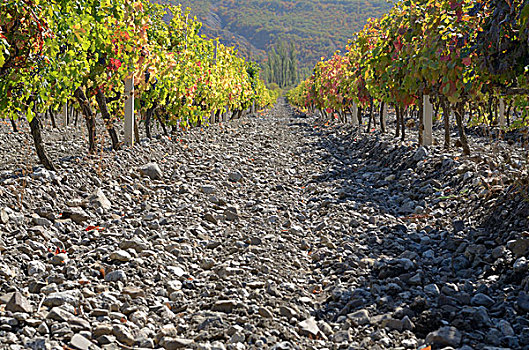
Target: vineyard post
354	115
428	120
502	113
129	111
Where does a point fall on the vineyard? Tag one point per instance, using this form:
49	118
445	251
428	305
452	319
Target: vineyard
100	56
154	194
462	60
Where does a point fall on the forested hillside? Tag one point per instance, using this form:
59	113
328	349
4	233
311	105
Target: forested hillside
316	27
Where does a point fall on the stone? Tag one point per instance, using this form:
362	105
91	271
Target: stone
43	328
81	343
76	214
4	217
505	328
40	221
102	329
123	334
7	272
4	299
210	218
265	312
176	343
231	215
207	263
176	271
407	324
36	268
98	200
420	154
151	170
59	259
342	337
208	189
136	243
235	176
287	312
309	328
519	247
481	299
18	303
446	336
523	301
498	252
72	297
521	265
134	292
114	276
237	338
106	339
459	225
392	323
59	314
360	317
79	324
224	305
120	255
432	290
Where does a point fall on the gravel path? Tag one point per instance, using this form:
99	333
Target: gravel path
273	232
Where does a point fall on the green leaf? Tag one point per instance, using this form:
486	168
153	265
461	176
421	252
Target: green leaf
29	114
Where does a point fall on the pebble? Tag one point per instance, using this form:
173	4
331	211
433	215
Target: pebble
151	170
235	176
114	276
446	336
309	327
120	255
18	303
81	343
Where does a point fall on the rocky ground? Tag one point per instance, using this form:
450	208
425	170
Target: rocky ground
275	232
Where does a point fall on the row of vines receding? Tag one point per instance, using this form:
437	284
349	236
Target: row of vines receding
470	58
81	52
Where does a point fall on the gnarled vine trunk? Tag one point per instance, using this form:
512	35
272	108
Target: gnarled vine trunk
397	126
103	108
148	118
89	118
382	122
459	112
359	117
446	119
35	127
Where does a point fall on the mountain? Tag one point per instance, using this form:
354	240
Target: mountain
317	28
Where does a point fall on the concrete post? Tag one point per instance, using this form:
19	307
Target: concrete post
129	111
428	121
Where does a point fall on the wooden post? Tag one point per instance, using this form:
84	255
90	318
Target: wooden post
129	111
354	115
502	113
428	121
